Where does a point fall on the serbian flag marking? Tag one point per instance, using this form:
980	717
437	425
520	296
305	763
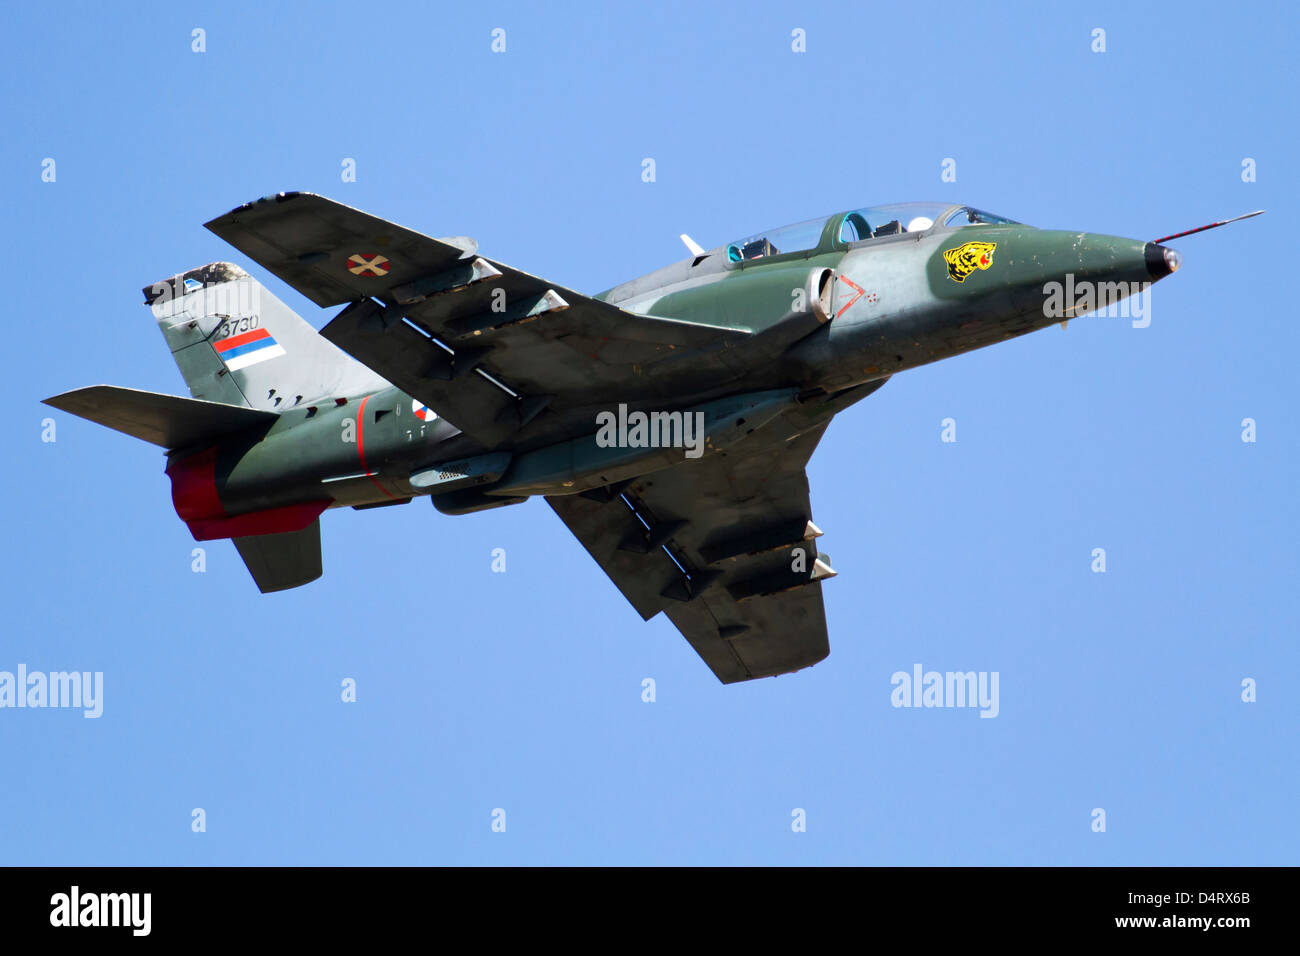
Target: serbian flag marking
248	348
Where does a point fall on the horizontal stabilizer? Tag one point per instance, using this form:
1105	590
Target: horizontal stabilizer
278	562
166	420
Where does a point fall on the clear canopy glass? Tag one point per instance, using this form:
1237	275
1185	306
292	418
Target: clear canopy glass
876	222
798	237
869	222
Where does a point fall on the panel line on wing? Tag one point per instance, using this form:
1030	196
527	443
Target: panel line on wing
499	384
433	339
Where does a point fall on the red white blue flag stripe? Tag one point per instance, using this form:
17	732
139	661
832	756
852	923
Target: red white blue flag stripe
248	348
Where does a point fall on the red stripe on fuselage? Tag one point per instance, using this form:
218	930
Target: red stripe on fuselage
361	445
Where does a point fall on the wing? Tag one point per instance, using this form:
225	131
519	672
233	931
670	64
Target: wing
725	546
486	346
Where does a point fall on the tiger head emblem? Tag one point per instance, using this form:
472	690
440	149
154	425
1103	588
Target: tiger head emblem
968	257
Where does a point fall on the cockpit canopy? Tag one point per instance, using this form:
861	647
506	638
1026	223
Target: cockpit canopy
859	225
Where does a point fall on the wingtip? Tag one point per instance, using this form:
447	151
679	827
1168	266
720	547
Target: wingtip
60	401
243	207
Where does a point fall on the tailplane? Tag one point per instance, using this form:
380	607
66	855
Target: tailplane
168	421
236	343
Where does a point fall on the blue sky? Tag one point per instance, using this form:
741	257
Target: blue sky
522	690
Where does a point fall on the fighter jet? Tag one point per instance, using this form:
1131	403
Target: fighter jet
667	421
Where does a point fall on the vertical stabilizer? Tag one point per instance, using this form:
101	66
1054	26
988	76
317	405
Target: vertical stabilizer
236	343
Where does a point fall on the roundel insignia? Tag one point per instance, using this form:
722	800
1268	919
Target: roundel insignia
368	264
423	412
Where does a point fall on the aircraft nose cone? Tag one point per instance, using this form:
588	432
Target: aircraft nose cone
1161	260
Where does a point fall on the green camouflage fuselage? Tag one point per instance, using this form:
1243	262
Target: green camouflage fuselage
891	304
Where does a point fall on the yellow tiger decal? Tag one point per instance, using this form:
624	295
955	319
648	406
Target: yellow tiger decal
968	257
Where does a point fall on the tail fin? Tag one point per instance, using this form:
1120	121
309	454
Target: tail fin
237	343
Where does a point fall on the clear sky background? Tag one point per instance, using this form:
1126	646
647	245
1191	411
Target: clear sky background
522	690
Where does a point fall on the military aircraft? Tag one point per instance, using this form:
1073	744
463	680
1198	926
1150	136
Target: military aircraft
667	421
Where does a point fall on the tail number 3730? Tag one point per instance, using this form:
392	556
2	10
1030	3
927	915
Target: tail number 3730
230	327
